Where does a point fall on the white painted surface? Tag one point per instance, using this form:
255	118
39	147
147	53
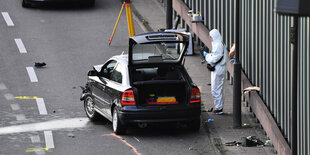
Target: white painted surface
50	125
15	107
7	18
35	139
20	45
9	96
32	74
2	86
41	106
49	141
20	117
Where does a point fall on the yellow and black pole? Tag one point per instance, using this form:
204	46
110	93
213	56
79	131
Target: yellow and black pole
131	28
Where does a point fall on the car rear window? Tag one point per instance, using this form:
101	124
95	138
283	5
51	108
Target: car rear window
157	52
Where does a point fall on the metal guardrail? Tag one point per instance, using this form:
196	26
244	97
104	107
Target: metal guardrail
266	56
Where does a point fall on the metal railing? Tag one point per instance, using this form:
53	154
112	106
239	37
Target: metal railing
266	56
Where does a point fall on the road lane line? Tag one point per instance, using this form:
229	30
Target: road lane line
41	106
49	141
7	18
32	74
37	149
26	97
71	123
15	107
20	117
2	86
9	96
20	45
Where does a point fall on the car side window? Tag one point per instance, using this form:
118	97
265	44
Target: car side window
107	69
117	74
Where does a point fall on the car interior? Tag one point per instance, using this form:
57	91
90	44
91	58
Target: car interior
158	83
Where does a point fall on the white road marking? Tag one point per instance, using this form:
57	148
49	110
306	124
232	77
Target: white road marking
32	74
2	86
35	139
20	45
41	106
15	107
20	117
9	96
49	141
50	125
7	18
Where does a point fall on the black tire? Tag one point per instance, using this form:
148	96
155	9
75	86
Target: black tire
194	125
25	4
91	3
89	109
118	127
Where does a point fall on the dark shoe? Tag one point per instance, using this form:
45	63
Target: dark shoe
218	112
210	110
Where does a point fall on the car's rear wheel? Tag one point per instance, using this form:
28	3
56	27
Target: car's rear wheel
25	4
118	127
89	108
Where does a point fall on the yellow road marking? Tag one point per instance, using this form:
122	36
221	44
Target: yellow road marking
37	149
27	97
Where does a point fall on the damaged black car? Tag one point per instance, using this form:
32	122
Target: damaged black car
148	85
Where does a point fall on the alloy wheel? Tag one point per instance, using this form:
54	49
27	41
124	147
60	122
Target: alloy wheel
89	107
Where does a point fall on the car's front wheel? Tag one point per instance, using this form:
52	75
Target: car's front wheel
89	108
118	127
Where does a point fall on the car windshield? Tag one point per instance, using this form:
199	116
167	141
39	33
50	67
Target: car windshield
157	52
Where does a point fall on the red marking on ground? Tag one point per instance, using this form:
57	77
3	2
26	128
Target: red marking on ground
124	141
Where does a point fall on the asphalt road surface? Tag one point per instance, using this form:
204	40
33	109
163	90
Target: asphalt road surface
40	110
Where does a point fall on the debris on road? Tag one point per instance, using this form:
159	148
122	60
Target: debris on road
209	120
267	143
71	135
39	64
234	143
246	125
251	141
136	139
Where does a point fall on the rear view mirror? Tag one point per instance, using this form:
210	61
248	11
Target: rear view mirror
92	73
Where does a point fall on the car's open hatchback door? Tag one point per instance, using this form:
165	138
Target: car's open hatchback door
157	47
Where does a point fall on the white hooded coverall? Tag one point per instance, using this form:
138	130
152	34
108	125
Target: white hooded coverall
218	75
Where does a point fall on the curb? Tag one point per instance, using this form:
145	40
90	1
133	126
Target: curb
139	18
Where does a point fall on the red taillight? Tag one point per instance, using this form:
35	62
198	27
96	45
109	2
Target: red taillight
128	98
195	96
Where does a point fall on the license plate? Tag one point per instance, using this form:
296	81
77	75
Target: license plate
163	100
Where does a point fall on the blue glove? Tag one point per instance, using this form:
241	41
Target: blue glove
205	53
232	60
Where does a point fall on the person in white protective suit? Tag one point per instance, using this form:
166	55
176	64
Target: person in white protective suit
217	58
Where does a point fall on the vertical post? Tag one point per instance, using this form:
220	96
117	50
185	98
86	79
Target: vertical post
237	76
294	88
169	15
